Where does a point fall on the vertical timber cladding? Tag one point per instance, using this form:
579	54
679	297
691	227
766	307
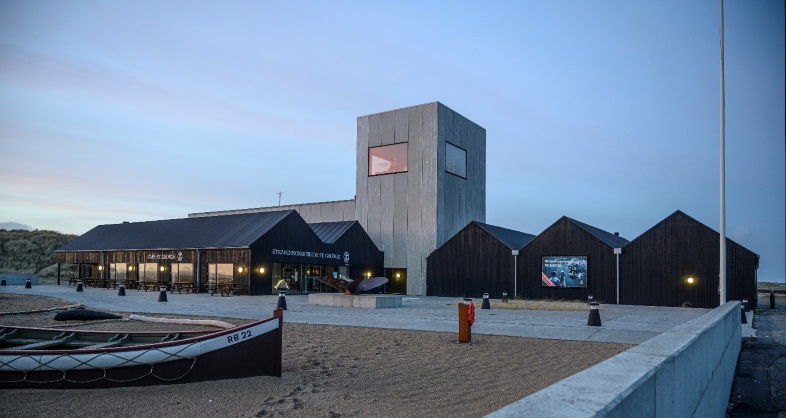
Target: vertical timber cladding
655	267
471	263
409	214
566	238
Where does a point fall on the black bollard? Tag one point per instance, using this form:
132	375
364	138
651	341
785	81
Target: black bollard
282	301
79	286
2	282
122	290
162	294
594	315
742	314
28	284
485	304
772	299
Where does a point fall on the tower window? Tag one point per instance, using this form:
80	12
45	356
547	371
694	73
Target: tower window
387	159
455	160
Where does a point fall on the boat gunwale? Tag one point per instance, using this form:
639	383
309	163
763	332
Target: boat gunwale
198	338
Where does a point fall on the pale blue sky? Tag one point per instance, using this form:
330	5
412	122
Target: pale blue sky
604	111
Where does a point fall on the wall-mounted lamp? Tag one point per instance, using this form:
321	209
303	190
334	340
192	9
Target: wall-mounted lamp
398	275
368	274
161	268
130	268
100	267
262	270
690	280
240	269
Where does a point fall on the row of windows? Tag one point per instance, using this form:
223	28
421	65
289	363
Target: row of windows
389	159
178	272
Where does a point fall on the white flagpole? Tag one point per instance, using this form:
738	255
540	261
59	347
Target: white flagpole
722	276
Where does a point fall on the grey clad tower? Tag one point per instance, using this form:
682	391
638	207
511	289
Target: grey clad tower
421	177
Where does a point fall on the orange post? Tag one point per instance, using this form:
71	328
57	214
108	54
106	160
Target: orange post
465	334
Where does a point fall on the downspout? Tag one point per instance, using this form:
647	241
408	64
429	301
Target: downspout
198	270
617	252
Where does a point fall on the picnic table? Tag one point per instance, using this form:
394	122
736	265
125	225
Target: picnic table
188	287
225	289
149	284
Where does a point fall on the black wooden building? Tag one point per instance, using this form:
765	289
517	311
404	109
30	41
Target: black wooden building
568	243
256	252
677	262
478	259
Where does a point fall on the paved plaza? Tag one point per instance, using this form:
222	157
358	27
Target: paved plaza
620	323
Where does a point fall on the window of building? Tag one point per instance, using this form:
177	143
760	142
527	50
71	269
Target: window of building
455	160
387	159
148	272
117	271
220	273
182	273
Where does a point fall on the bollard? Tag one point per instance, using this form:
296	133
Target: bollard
79	286
122	290
2	282
162	294
505	297
466	319
772	299
282	301
742	314
28	284
594	315
485	304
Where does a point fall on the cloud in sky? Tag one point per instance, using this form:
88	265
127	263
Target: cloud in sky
125	111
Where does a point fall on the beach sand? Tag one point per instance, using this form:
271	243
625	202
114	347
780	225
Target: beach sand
328	371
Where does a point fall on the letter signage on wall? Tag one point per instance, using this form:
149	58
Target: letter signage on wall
313	254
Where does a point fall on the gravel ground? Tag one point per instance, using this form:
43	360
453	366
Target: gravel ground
329	371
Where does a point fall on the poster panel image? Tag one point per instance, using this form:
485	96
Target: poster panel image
564	271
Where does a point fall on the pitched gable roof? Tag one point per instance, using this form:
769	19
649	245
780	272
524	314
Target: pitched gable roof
330	232
612	240
513	239
228	231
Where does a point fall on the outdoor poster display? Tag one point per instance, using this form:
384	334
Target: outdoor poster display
564	271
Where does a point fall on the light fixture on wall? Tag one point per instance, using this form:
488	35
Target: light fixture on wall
100	267
368	274
262	270
690	280
130	268
240	269
398	275
161	268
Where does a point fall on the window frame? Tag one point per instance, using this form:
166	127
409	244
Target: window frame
405	145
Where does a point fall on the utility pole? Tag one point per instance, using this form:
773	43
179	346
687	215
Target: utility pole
279	198
722	274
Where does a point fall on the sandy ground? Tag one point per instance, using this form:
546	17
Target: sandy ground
328	371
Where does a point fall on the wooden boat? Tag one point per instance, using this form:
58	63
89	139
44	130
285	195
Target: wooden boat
71	359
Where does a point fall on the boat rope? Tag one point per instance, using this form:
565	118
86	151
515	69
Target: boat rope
134	361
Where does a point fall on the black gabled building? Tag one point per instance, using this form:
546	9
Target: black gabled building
256	252
478	259
677	263
571	260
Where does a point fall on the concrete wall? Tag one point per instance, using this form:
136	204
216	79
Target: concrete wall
336	211
410	214
684	372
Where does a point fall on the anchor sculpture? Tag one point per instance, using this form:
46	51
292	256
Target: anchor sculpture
353	287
